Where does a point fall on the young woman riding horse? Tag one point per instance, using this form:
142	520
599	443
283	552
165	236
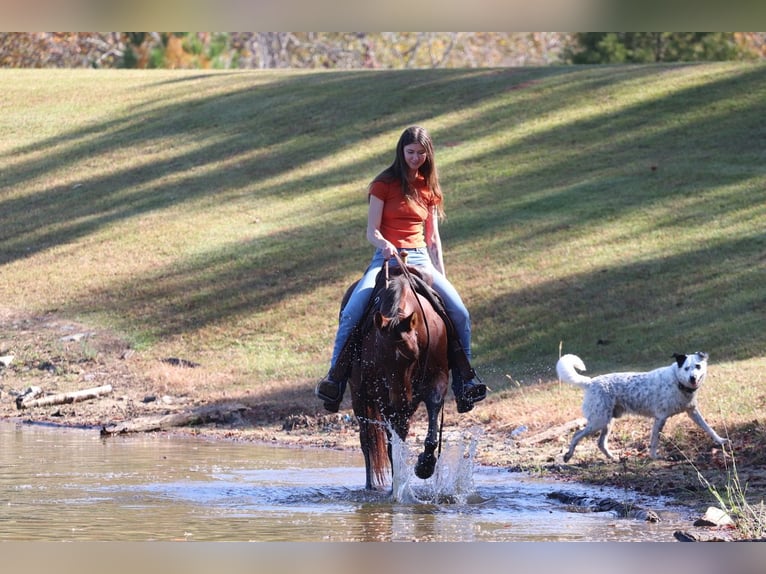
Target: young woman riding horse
405	205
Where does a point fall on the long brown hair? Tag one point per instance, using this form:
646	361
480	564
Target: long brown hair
398	169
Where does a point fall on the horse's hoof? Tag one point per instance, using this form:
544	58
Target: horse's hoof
425	467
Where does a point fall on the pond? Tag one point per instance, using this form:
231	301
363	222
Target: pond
61	484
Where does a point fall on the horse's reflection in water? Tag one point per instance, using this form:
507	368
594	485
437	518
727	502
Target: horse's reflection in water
403	362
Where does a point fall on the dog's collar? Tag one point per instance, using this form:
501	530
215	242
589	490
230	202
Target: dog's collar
685	389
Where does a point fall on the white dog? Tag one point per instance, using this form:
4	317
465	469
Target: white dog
660	394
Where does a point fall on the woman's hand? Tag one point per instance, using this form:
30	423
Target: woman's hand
389	251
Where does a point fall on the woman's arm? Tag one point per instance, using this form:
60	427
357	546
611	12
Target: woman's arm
434	242
374	236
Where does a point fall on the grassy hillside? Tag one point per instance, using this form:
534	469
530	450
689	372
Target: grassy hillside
218	217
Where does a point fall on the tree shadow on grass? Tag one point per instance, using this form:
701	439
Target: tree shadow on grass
273	124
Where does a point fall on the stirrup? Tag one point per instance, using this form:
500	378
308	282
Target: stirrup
329	391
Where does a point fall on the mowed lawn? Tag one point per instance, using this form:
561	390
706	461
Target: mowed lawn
615	212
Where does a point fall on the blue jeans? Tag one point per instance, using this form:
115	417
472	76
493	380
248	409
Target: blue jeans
357	303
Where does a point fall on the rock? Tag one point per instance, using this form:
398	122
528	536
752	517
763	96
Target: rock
620	509
176	362
76	337
714	517
682	536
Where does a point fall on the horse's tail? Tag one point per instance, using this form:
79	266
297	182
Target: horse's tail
373	434
377	443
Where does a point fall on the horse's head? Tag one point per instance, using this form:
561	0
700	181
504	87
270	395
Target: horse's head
401	333
398	319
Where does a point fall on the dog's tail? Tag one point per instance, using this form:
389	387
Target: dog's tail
565	369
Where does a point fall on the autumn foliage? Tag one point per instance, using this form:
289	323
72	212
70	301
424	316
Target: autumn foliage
312	50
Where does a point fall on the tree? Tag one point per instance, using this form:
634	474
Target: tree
645	47
354	50
60	49
333	50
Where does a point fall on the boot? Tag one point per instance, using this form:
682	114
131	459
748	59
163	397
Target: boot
331	388
330	392
467	392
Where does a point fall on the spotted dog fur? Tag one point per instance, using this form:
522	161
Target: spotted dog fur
658	394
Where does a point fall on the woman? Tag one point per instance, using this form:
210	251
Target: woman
405	205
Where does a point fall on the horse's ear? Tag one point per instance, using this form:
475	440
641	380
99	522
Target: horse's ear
380	320
410	323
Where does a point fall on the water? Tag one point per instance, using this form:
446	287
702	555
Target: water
59	484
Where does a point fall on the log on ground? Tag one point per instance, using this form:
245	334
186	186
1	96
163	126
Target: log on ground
65	398
225	414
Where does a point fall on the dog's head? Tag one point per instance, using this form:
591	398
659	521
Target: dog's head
691	369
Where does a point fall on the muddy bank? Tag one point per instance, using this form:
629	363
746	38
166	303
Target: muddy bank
60	358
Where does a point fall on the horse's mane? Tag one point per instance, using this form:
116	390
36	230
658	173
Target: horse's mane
391	298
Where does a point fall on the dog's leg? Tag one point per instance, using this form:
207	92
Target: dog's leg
579	435
659	423
602	440
697	417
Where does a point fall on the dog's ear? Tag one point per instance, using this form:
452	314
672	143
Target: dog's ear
702	355
680	359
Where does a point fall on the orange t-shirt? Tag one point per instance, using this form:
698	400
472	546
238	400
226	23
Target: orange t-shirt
402	220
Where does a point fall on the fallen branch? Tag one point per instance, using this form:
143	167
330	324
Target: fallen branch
64	398
210	414
29	394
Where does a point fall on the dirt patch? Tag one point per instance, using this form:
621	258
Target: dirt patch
60	356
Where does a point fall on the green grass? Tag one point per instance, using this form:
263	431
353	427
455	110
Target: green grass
219	216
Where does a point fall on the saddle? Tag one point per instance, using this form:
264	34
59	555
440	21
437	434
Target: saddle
458	360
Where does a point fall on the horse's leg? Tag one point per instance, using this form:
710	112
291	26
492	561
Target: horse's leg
364	429
427	459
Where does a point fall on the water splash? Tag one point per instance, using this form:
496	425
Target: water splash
452	481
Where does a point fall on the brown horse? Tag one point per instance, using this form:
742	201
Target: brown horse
402	362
